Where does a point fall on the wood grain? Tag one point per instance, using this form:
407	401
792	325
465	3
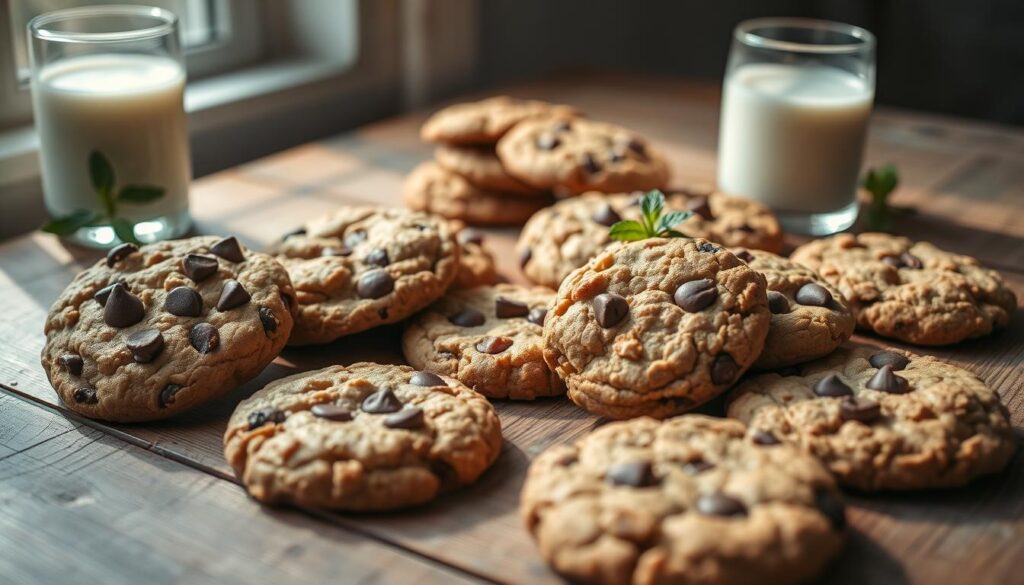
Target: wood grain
963	178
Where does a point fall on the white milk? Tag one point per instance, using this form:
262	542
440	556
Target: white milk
129	107
792	136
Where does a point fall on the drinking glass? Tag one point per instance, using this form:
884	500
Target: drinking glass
796	101
108	99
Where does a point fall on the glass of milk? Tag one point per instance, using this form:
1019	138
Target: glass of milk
108	98
795	109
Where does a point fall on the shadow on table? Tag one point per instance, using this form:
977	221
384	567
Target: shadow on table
863	561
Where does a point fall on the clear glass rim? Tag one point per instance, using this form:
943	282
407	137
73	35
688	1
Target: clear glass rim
37	27
745	33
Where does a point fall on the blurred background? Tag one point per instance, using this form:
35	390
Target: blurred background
269	74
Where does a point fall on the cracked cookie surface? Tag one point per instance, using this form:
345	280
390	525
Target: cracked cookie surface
154	331
882	419
489	338
362	267
431	188
361	437
687	500
911	291
655	327
810	318
485	121
561	238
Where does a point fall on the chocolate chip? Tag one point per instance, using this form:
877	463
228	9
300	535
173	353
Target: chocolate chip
103	294
507	308
228	249
832	507
204	337
232	295
85	396
745	256
886	381
832	387
763	437
493	345
382	313
745	228
697	466
72	363
537	315
897	361
708	247
911	261
340	250
378	257
199	267
860	409
778	303
380	402
333	412
548	141
355	238
696	295
467	318
121	252
471	236
524	256
637	146
893	261
268	320
724	369
813	295
605	215
168	393
719	504
699	206
632	474
183	302
264	416
145	345
375	284
295	232
427	379
407	418
122	309
590	164
610	309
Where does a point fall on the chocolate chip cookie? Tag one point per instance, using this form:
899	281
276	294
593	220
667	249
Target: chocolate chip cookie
810	319
150	332
489	338
480	166
882	419
476	264
581	155
561	238
911	291
361	437
687	500
485	121
365	266
656	327
433	189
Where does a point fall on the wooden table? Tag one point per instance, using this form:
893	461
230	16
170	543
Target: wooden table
157	503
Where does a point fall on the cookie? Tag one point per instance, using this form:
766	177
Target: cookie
485	121
561	238
361	437
882	419
810	319
150	332
581	155
481	167
433	189
687	500
363	267
911	291
476	264
489	338
656	327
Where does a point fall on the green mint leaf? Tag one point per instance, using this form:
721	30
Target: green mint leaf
69	224
672	219
673	234
124	229
627	231
651	206
139	193
880	183
101	172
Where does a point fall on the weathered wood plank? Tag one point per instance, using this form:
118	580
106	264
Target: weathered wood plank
79	505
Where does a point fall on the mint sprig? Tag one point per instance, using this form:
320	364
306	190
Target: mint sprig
880	183
652	223
101	174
